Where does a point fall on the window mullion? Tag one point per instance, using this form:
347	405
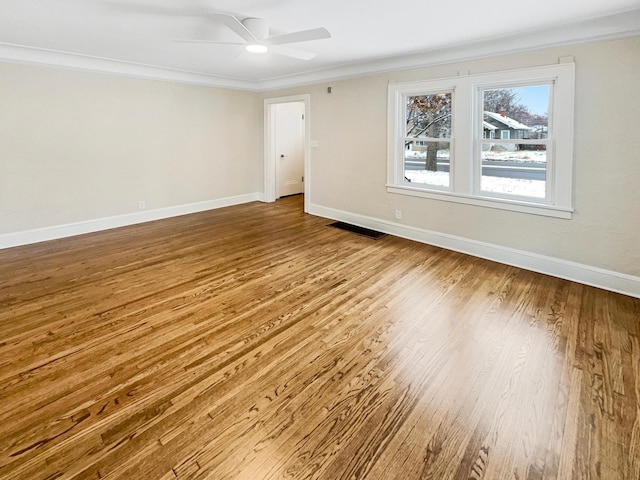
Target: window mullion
463	146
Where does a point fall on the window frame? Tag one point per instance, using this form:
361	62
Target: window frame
547	142
467	127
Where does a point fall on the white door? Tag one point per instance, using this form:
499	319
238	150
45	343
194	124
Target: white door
289	148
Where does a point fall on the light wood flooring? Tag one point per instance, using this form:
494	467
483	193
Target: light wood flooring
254	342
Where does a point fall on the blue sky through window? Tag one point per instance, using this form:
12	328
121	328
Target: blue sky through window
535	98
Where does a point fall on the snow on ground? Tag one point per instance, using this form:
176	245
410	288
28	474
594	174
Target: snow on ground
440	179
505	156
512	186
517	156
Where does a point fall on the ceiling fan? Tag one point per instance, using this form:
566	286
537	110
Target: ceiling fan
255	33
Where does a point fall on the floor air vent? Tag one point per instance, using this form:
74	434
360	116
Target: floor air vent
359	230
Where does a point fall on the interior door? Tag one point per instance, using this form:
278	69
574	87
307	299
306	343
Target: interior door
289	148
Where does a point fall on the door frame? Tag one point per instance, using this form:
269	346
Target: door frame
270	145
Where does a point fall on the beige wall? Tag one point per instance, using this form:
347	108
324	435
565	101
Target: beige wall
78	146
349	168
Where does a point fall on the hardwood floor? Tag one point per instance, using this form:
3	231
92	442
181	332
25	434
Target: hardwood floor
254	342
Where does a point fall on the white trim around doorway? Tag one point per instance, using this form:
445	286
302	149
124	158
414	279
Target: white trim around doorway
269	146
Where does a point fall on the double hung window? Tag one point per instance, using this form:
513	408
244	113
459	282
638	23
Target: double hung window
501	140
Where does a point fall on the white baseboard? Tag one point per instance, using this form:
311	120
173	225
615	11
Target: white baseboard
26	237
588	275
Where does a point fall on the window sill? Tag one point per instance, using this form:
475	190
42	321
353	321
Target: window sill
511	205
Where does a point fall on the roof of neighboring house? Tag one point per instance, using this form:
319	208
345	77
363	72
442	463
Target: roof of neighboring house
509	122
488	126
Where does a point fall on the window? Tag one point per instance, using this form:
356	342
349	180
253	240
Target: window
515	168
427	118
501	140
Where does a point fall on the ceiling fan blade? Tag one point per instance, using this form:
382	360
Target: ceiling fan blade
301	36
235	25
292	52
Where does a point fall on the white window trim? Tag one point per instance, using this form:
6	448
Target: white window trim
465	170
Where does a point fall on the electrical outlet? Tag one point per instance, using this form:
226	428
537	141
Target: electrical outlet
142	205
398	214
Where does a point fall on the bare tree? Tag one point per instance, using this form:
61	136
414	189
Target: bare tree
429	116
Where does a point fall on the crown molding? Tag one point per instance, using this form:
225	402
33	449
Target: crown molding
54	58
619	25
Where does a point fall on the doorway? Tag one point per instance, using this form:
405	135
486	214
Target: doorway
287	147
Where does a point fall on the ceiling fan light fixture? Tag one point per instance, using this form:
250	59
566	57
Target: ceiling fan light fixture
256	48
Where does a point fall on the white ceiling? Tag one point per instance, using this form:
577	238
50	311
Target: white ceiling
135	37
